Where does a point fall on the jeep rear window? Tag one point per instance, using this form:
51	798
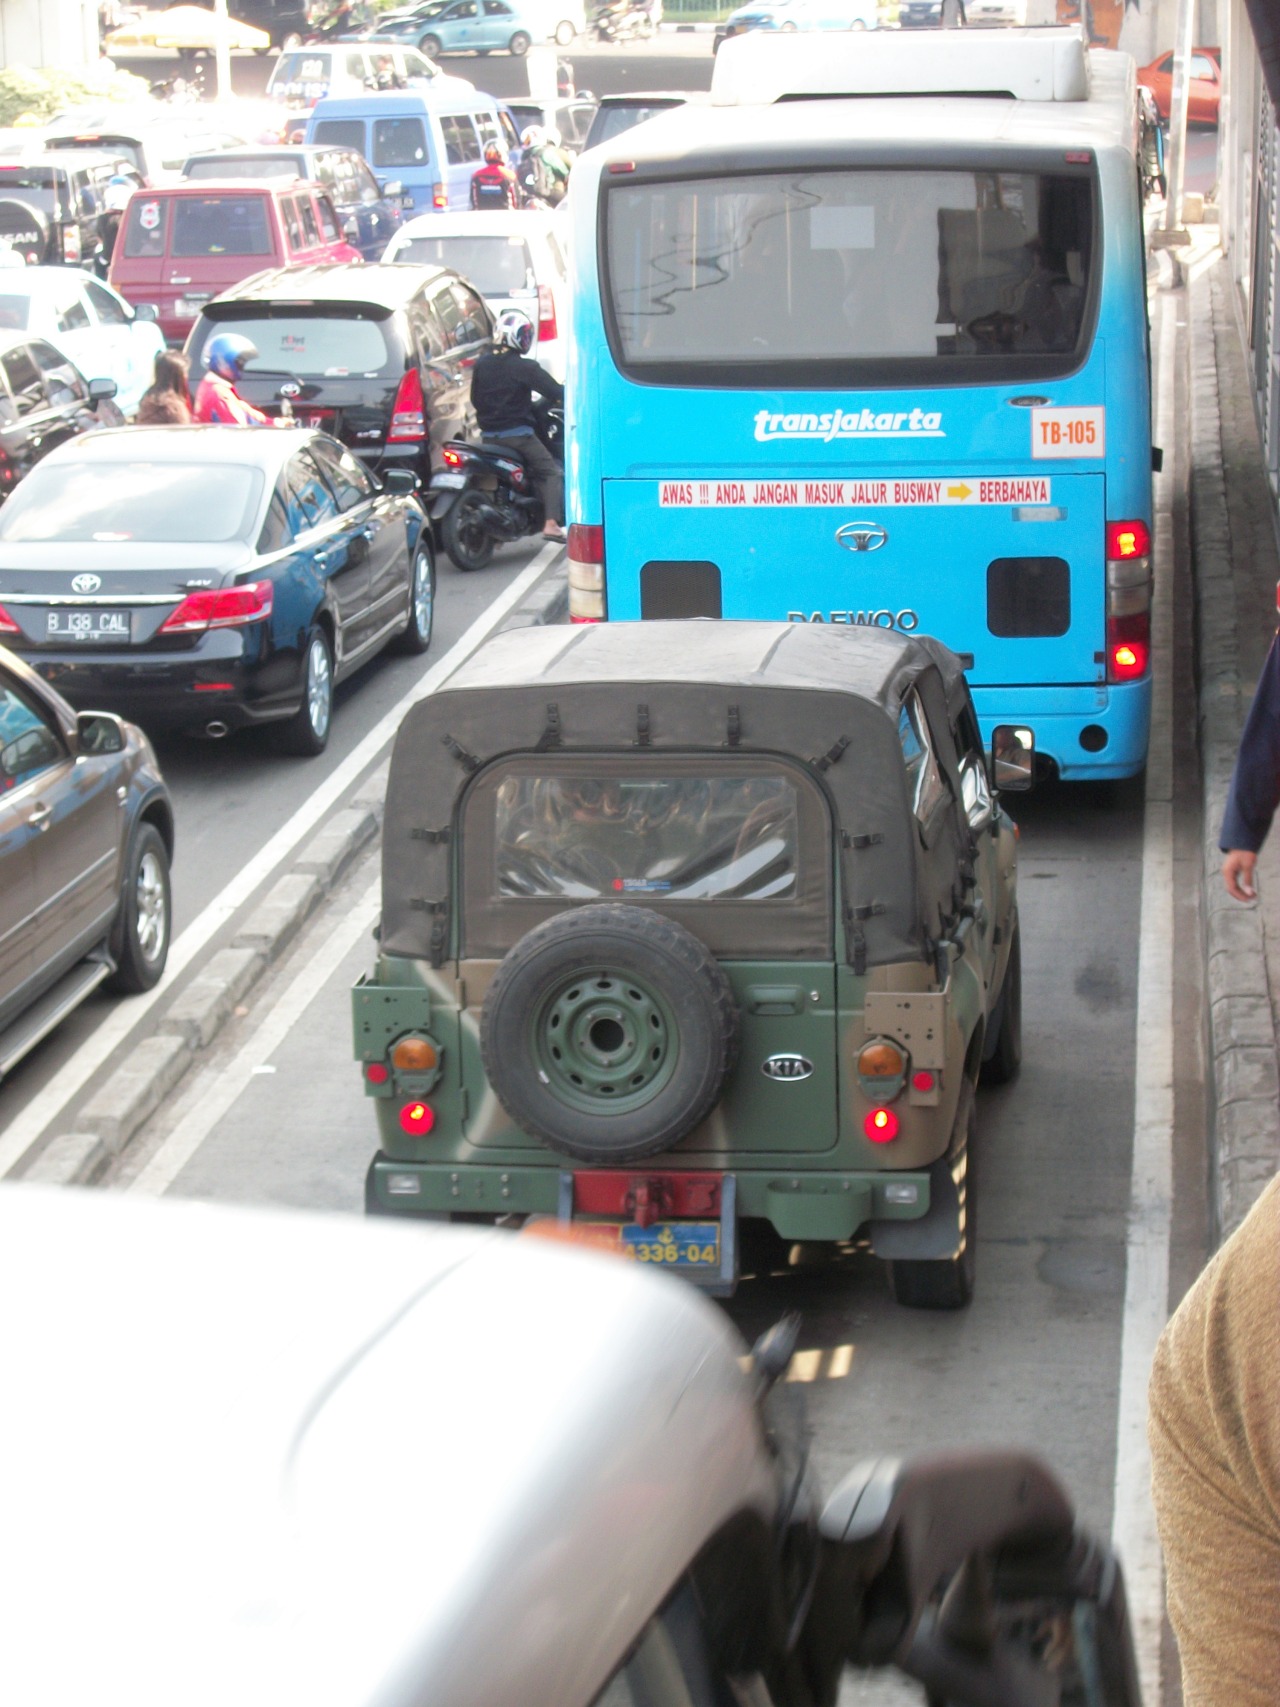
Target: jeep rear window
683	838
221	225
44	187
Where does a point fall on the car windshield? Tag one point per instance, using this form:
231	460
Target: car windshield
120	502
496	266
869	265
40	186
682	838
315	346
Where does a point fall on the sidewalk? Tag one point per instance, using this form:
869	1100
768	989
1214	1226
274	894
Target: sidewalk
1236	568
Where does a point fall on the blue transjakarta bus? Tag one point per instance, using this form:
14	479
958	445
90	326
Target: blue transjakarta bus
865	341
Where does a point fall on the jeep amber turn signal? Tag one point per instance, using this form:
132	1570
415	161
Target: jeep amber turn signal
881	1125
417	1119
414	1055
881	1060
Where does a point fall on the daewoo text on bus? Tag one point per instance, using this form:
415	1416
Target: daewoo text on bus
871	348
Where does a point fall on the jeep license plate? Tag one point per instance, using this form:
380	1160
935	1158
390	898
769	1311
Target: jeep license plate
673	1244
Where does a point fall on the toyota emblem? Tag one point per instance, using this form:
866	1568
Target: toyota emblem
291	388
862	536
86	583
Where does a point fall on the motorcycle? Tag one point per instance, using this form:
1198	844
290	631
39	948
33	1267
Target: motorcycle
484	495
622	21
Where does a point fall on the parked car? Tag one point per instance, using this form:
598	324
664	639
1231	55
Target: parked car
572	118
647	1532
54	207
367	214
431	140
1204	87
155	139
185	243
549	20
618	113
285	21
86	839
1011	13
208	577
475	26
304	75
379	356
513	259
701	932
789	16
100	332
919	14
44	401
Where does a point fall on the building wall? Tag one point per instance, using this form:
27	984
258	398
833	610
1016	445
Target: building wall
48	32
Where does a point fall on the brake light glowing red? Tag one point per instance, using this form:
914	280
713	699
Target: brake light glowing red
227	607
7	624
881	1125
622	166
1128	647
417	1119
408	423
547	327
452	458
1128	539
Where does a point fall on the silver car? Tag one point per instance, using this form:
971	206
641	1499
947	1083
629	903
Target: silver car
263	1458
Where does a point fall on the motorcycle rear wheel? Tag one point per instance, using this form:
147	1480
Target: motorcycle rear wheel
465	536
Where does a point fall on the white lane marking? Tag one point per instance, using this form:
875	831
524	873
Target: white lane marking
203	1105
47	1105
1146	1292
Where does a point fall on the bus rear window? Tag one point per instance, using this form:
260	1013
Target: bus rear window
876	269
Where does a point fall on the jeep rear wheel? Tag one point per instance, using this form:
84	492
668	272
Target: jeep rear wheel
946	1283
609	1032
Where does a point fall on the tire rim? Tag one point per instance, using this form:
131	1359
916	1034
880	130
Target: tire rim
604	1042
319	688
150	910
424	597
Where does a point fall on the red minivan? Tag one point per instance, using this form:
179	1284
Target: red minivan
183	244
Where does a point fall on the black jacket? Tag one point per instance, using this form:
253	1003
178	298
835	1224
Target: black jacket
502	390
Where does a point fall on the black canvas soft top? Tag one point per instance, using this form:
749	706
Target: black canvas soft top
828	697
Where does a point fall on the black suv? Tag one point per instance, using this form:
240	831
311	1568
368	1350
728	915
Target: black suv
56	210
366	215
44	401
378	356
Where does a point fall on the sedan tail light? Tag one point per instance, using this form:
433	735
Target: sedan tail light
408	421
7	624
228	607
547	327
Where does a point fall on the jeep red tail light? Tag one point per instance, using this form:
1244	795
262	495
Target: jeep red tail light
408	421
417	1119
881	1125
586	572
547	327
226	607
376	1073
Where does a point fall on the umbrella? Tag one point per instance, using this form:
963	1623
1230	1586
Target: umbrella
189	28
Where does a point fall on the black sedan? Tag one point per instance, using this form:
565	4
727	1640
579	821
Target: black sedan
204	578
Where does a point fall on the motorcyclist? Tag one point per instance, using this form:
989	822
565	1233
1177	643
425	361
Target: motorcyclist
544	170
494	183
503	386
217	399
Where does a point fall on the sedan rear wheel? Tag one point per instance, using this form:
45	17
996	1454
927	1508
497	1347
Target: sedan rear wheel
422	604
306	734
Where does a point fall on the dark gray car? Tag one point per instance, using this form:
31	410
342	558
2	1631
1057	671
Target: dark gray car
86	837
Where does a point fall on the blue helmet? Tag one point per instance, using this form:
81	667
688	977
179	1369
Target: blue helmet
227	354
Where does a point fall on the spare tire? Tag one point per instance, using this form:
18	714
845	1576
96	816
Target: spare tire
25	230
608	1033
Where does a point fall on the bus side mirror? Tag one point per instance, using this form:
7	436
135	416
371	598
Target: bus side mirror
1012	760
955	1569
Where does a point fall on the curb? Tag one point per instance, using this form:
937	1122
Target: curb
1245	1142
108	1122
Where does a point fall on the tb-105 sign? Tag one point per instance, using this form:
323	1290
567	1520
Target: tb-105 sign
1069	432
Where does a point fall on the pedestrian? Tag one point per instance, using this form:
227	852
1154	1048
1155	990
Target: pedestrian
1255	784
217	399
1214	1428
167	400
493	185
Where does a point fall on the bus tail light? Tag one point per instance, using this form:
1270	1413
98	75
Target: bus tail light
408	423
1128	647
586	573
547	327
1128	539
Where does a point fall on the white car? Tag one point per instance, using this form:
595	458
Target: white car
514	258
87	321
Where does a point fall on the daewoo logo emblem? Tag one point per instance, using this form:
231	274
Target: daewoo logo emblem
786	1067
862	536
290	389
86	583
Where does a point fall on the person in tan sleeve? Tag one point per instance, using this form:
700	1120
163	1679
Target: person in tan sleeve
1214	1428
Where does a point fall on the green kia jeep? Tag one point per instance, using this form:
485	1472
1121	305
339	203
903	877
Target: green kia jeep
688	929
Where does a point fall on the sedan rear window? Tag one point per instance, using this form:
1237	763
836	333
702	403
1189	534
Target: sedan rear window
315	346
120	502
496	266
221	225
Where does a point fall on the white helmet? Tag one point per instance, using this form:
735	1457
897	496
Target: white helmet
515	331
534	136
553	136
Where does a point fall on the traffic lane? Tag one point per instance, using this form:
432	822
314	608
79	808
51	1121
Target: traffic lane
1033	1362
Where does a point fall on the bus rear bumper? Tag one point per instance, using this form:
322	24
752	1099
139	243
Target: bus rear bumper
1090	734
